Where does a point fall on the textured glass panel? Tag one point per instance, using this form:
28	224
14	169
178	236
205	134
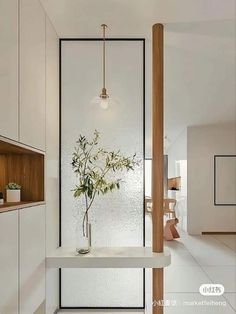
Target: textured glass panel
117	218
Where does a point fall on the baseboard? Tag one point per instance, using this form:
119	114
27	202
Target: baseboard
218	232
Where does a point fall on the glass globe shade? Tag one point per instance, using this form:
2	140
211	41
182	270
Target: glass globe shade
104	103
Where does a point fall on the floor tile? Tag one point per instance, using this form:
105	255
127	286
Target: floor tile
231	298
184	278
207	250
224	275
180	256
228	240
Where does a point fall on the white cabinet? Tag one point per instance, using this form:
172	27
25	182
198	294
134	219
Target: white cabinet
22	93
32	258
9	68
9	262
22	260
32	73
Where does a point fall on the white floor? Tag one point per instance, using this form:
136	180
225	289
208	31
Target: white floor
197	260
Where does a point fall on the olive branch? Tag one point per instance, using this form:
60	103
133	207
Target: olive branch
92	165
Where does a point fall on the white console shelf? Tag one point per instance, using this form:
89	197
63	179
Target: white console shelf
109	257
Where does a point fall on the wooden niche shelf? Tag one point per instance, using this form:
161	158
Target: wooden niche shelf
25	166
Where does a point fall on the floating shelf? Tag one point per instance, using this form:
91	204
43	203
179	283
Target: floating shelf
14	206
109	257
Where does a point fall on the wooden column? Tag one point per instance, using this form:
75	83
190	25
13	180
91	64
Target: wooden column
157	160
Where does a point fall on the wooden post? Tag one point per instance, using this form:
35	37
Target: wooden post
157	160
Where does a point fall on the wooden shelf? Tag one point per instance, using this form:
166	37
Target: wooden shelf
109	257
9	146
15	206
25	166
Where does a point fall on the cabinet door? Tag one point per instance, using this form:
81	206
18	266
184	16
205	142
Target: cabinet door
32	74
9	68
9	262
32	258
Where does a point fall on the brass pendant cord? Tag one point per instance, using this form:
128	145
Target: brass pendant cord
104	26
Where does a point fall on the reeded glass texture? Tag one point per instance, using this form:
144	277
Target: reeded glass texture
116	218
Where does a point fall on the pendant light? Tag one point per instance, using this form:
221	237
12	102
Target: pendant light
104	102
103	99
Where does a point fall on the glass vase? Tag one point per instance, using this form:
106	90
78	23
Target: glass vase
83	238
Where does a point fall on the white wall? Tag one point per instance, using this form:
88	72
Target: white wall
52	162
177	151
177	166
203	143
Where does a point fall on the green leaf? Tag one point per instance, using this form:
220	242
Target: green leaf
94	167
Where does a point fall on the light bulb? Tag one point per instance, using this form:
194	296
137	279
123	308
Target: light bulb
104	103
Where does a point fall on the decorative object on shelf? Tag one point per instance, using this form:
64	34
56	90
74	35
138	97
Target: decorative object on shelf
174	184
13	192
103	99
1	198
92	166
169	205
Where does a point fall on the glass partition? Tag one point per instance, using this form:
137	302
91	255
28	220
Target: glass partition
118	218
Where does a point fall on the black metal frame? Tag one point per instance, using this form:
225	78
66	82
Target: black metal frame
60	120
215	157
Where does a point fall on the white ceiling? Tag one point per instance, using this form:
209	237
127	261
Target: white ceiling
199	50
82	18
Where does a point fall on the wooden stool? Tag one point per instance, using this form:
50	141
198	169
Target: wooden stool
170	232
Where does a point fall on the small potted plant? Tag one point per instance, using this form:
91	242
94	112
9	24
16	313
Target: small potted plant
13	192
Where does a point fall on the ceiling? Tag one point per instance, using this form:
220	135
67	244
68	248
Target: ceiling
82	18
199	50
